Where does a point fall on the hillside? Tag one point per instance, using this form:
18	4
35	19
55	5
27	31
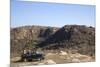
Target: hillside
28	37
77	38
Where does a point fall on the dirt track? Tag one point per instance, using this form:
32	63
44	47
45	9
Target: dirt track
55	58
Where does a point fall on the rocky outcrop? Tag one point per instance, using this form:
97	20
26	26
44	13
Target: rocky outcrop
73	37
28	36
69	37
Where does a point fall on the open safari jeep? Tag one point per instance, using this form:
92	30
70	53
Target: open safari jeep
32	56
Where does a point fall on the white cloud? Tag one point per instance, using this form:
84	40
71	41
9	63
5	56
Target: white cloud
89	2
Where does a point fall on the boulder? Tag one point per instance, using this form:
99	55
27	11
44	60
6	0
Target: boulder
63	53
49	62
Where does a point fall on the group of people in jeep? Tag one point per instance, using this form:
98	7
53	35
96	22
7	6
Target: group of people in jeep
30	55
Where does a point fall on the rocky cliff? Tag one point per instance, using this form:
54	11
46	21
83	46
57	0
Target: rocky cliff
70	37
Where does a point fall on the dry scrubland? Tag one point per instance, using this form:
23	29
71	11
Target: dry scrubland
71	43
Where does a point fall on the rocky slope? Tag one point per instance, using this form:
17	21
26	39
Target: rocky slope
77	38
28	37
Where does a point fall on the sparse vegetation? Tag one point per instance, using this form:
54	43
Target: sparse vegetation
74	39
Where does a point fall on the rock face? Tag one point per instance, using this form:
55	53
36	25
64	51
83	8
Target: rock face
28	37
71	37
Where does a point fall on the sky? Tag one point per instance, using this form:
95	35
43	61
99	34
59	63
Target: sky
51	14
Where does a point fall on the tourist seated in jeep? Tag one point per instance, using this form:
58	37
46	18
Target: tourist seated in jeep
30	55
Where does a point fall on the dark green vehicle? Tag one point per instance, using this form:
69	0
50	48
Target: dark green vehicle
32	56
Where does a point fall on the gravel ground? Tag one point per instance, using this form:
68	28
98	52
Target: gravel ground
54	58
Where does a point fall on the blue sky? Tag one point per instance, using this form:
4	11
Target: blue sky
51	14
